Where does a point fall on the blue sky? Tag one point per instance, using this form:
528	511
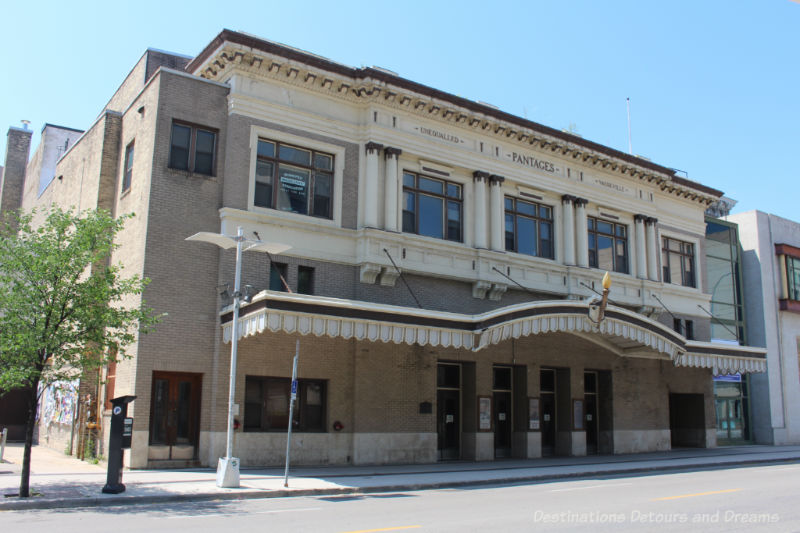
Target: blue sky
713	85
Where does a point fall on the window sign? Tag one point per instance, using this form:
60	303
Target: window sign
293	189
484	413
533	413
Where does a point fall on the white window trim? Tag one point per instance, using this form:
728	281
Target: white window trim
338	152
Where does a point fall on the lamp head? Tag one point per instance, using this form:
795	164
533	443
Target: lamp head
606	281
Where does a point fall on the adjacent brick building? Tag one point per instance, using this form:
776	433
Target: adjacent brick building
445	269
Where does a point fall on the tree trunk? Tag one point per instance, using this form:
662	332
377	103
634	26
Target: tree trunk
25	477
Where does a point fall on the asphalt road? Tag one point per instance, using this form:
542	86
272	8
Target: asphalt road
763	498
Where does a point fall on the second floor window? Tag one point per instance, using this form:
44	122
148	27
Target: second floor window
793	277
192	148
127	175
678	262
608	245
293	179
432	207
529	228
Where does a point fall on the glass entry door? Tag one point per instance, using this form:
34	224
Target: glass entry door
175	415
448	410
548	396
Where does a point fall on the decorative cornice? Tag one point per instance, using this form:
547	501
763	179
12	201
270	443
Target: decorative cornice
787	249
371	85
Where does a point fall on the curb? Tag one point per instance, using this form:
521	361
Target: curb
251	494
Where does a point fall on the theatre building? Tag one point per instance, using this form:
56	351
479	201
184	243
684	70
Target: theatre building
444	278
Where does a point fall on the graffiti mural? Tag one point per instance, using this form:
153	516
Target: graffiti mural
58	403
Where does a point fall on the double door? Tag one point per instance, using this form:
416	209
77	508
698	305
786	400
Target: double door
174	415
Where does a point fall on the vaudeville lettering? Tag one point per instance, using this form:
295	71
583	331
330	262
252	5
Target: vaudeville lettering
440	135
530	161
610	185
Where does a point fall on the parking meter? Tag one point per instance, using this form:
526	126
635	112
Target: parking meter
119	438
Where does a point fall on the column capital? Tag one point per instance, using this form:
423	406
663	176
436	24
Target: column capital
568	198
580	202
640	218
390	152
651	220
494	179
373	146
480	175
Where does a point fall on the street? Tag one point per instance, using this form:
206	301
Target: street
763	498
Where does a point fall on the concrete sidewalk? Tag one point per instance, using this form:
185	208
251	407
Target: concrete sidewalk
61	481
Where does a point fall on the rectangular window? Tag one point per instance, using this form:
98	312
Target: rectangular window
529	228
678	262
266	405
192	148
305	280
432	207
793	277
608	245
128	170
278	277
293	179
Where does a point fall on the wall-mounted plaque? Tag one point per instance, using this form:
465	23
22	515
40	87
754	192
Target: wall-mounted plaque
484	413
533	414
577	415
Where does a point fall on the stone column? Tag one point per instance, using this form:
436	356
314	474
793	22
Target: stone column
581	232
568	226
371	185
652	249
497	212
641	250
480	179
390	192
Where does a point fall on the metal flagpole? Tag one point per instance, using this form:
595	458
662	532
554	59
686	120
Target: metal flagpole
291	412
630	145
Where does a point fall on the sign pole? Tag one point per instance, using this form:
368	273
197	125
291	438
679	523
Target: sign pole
291	412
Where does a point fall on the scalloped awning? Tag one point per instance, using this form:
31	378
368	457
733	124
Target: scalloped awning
623	332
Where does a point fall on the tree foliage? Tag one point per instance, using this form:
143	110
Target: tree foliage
65	309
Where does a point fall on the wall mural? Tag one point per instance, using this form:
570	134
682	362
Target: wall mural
58	403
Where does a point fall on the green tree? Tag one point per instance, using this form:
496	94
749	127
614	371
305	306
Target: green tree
63	306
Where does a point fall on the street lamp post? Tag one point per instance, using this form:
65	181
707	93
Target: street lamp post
228	467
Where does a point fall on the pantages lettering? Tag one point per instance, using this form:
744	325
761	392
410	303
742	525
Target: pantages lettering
530	161
439	135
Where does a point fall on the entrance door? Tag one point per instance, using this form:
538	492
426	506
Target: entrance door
448	410
590	413
501	403
548	396
174	415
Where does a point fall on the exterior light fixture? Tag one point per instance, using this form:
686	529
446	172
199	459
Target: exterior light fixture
604	301
228	467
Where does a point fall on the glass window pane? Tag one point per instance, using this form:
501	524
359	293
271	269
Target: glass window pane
454	191
294	155
720	280
408	180
509	204
430	185
266	148
454	221
605	227
322	195
621	262
509	232
590	223
526	208
545	212
431	217
293	189
323	161
205	141
605	253
277	404
179	151
620	231
526	235
409	212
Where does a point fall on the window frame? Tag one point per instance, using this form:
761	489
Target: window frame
301	287
276	272
792	289
127	168
691	255
302	424
516	214
614	237
313	170
191	162
419	192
